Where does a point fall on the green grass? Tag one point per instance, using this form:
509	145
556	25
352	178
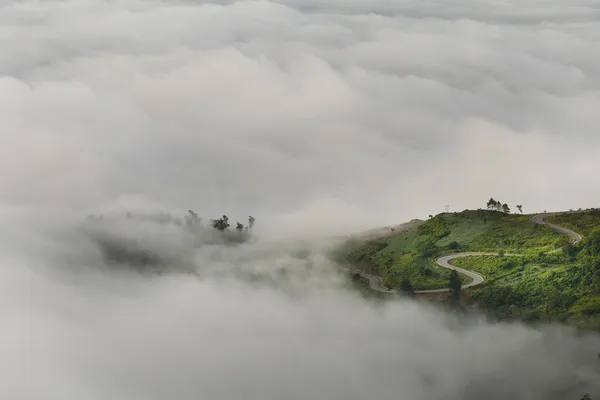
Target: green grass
492	231
490	266
581	222
411	254
551	287
394	260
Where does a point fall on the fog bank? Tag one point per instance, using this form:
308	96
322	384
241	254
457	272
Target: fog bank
319	118
239	327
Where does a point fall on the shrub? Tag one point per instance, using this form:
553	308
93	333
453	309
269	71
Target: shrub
453	245
509	264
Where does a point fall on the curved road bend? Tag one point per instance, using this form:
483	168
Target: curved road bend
539	219
477	279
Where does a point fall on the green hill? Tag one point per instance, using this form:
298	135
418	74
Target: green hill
411	254
563	285
582	222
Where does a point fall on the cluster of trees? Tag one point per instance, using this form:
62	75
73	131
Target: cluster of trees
220	224
499	206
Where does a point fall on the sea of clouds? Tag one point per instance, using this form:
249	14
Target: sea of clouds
317	117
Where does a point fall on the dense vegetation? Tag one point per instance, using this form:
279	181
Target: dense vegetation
563	286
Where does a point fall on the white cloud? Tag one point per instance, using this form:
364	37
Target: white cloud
316	117
261	107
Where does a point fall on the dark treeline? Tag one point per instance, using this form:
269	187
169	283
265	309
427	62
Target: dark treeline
503	207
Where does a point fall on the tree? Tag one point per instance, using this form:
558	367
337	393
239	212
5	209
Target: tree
406	287
495	205
192	219
453	245
520	208
221	223
455	286
239	227
586	397
501	253
251	220
505	208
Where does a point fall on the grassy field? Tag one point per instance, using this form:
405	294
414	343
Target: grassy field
492	231
411	254
583	222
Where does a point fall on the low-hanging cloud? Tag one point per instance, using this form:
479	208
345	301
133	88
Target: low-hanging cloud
255	321
286	108
317	118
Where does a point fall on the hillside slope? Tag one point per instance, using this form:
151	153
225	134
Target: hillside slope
583	222
561	285
411	253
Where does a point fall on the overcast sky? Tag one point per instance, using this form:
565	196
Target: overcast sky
315	116
304	113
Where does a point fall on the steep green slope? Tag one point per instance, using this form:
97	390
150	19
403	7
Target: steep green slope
491	231
582	222
563	286
396	258
411	254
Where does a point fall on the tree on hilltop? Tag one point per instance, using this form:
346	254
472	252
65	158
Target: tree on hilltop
497	205
492	204
251	221
520	208
239	227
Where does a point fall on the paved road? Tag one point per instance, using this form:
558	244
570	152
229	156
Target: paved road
375	282
444	261
539	219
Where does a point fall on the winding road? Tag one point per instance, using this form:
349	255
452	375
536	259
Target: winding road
375	282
